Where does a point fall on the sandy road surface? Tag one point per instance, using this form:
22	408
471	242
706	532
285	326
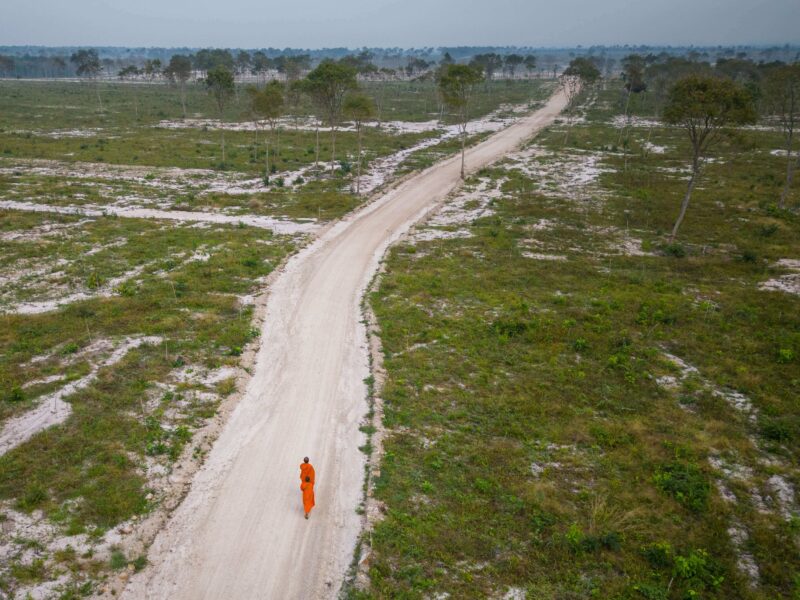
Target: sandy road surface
240	531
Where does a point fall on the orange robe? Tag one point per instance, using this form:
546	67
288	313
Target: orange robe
306	470
308	496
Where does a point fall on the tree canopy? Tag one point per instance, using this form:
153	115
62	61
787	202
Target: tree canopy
87	63
584	69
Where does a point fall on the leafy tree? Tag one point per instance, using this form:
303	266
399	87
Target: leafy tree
178	71
6	65
260	64
210	58
327	85
243	62
782	99
220	85
131	73
359	107
512	62
267	104
87	64
446	59
633	67
361	62
530	64
488	64
580	74
584	69
292	67
152	68
416	65
456	84
704	106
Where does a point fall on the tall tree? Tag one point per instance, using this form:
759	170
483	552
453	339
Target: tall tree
261	64
530	64
633	67
178	71
358	107
243	62
292	67
327	85
87	65
704	106
512	62
782	100
131	73
488	63
579	75
220	85
456	84
152	68
267	104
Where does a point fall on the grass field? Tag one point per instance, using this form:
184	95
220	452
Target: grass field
576	408
125	335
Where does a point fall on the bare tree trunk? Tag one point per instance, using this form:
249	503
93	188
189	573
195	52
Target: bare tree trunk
266	160
223	146
358	168
333	147
625	126
183	99
463	145
686	198
316	155
97	91
790	166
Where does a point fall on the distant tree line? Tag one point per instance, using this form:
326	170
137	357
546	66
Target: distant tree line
707	100
37	61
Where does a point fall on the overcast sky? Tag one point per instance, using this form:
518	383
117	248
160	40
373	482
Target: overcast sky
405	23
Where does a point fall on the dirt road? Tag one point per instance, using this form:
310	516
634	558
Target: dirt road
240	532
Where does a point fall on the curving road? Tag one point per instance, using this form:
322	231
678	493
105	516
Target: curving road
240	531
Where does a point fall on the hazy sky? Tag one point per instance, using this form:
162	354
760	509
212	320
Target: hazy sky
405	23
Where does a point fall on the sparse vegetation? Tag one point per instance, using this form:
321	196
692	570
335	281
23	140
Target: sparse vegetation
538	437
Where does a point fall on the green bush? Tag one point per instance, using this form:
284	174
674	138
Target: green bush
685	482
675	250
15	394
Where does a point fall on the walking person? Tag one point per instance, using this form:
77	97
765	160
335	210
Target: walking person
307	470
307	487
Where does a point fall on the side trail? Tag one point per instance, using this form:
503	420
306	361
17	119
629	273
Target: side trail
240	531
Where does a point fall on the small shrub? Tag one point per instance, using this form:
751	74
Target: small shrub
250	262
94	281
748	256
510	328
684	482
659	555
775	429
35	495
15	394
768	230
580	344
70	348
118	560
785	355
674	250
139	563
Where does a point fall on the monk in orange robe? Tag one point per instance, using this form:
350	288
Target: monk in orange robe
307	487
307	470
